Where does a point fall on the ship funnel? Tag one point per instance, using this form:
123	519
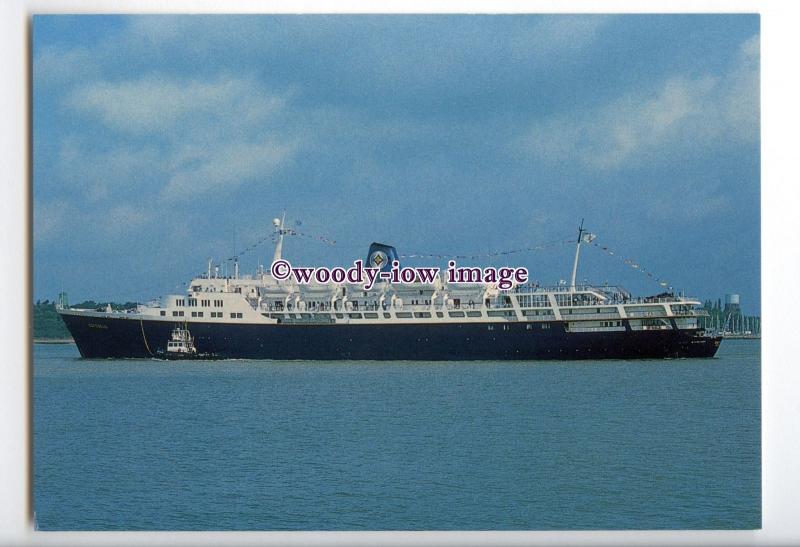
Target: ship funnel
381	256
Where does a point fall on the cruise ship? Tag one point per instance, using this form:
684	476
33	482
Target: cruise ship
260	317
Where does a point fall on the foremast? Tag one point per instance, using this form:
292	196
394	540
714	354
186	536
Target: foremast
281	231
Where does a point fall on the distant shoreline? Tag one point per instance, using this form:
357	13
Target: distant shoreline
53	341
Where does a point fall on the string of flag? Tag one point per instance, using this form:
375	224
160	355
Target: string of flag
539	247
272	237
323	239
633	264
588	239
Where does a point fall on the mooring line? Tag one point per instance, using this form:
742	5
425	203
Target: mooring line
146	345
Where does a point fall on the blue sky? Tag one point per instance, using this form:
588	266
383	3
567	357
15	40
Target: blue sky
157	138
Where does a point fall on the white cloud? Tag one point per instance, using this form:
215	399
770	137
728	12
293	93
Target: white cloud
100	173
742	102
49	219
157	104
157	29
684	112
53	66
224	167
207	135
119	222
97	229
556	35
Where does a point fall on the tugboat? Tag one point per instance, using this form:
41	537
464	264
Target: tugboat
180	345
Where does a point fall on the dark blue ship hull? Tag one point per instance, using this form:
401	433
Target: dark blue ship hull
131	337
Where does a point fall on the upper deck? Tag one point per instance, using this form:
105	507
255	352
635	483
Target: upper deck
260	298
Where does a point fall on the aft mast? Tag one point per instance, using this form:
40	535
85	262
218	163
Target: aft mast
577	254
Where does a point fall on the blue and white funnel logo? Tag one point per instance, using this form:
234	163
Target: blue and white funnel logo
381	256
378	259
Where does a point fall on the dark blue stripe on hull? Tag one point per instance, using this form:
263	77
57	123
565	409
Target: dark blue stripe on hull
101	337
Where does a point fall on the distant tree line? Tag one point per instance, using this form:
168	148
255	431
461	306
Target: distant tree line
46	322
718	316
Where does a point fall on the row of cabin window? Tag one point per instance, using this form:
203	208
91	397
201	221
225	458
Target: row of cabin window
575	300
236	315
364	293
408	315
543	326
313	305
192	302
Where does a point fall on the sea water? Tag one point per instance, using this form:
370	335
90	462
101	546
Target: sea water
280	445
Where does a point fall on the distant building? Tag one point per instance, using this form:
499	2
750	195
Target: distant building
732	304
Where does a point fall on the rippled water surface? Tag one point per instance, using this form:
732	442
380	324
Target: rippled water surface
261	445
